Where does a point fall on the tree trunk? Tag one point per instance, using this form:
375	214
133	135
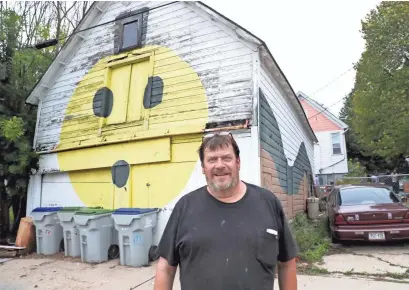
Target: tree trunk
4	214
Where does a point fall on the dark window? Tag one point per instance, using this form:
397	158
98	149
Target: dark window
366	195
128	30
130	35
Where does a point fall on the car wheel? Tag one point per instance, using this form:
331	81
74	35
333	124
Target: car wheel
113	252
334	240
328	226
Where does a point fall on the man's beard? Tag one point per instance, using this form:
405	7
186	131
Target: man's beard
220	187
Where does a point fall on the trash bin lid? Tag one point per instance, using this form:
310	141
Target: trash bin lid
134	211
77	208
93	211
46	209
70	208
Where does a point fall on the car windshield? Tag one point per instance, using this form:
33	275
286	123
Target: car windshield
366	195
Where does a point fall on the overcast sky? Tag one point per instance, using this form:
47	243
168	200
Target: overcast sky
313	42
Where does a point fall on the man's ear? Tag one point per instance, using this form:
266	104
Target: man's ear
202	168
238	163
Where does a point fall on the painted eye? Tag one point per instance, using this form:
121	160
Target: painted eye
120	173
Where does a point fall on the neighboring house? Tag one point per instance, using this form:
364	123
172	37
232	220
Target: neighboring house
123	108
330	154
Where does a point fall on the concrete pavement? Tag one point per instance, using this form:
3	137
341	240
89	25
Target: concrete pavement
62	273
385	260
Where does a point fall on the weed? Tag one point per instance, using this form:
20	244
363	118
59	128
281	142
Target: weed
311	236
312	270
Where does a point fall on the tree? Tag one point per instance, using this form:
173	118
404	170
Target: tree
371	161
380	100
23	24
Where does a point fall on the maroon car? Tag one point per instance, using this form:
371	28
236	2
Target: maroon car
367	213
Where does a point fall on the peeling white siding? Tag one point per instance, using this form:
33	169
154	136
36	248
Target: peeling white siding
223	63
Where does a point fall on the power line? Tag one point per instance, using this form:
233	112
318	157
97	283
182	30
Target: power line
329	83
326	109
333	81
55	41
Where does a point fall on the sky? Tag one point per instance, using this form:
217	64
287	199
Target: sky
315	42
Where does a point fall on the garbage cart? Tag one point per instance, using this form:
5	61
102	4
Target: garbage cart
98	235
70	230
49	234
134	226
313	207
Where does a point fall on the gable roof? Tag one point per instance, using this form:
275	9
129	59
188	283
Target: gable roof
322	110
98	8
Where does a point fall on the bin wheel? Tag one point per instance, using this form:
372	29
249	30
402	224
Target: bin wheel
62	247
113	252
153	253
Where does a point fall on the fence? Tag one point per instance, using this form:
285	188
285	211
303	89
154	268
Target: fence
399	183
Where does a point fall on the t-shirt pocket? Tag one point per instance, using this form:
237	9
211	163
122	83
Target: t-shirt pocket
267	248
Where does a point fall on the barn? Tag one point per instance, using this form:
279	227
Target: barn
123	107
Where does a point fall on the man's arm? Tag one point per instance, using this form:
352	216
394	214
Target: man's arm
287	275
165	275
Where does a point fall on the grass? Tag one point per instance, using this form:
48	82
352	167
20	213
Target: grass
312	238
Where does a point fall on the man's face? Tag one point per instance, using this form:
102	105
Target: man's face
221	168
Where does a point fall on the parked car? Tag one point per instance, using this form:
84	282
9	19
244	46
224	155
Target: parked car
369	212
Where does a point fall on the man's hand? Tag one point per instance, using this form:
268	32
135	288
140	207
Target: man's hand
287	275
165	274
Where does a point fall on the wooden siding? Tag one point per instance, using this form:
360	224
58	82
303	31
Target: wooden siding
291	128
285	162
222	66
325	159
319	122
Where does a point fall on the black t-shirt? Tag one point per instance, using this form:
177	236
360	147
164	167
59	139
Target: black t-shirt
223	246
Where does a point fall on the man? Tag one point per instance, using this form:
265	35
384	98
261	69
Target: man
395	183
228	234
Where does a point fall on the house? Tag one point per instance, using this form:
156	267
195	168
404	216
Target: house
330	154
123	108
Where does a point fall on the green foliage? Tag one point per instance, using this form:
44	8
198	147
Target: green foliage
380	104
355	169
12	129
23	24
311	236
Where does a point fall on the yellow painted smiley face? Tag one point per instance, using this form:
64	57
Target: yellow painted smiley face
132	127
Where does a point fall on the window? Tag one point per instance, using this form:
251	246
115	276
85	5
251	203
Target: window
128	31
130	35
336	143
367	195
